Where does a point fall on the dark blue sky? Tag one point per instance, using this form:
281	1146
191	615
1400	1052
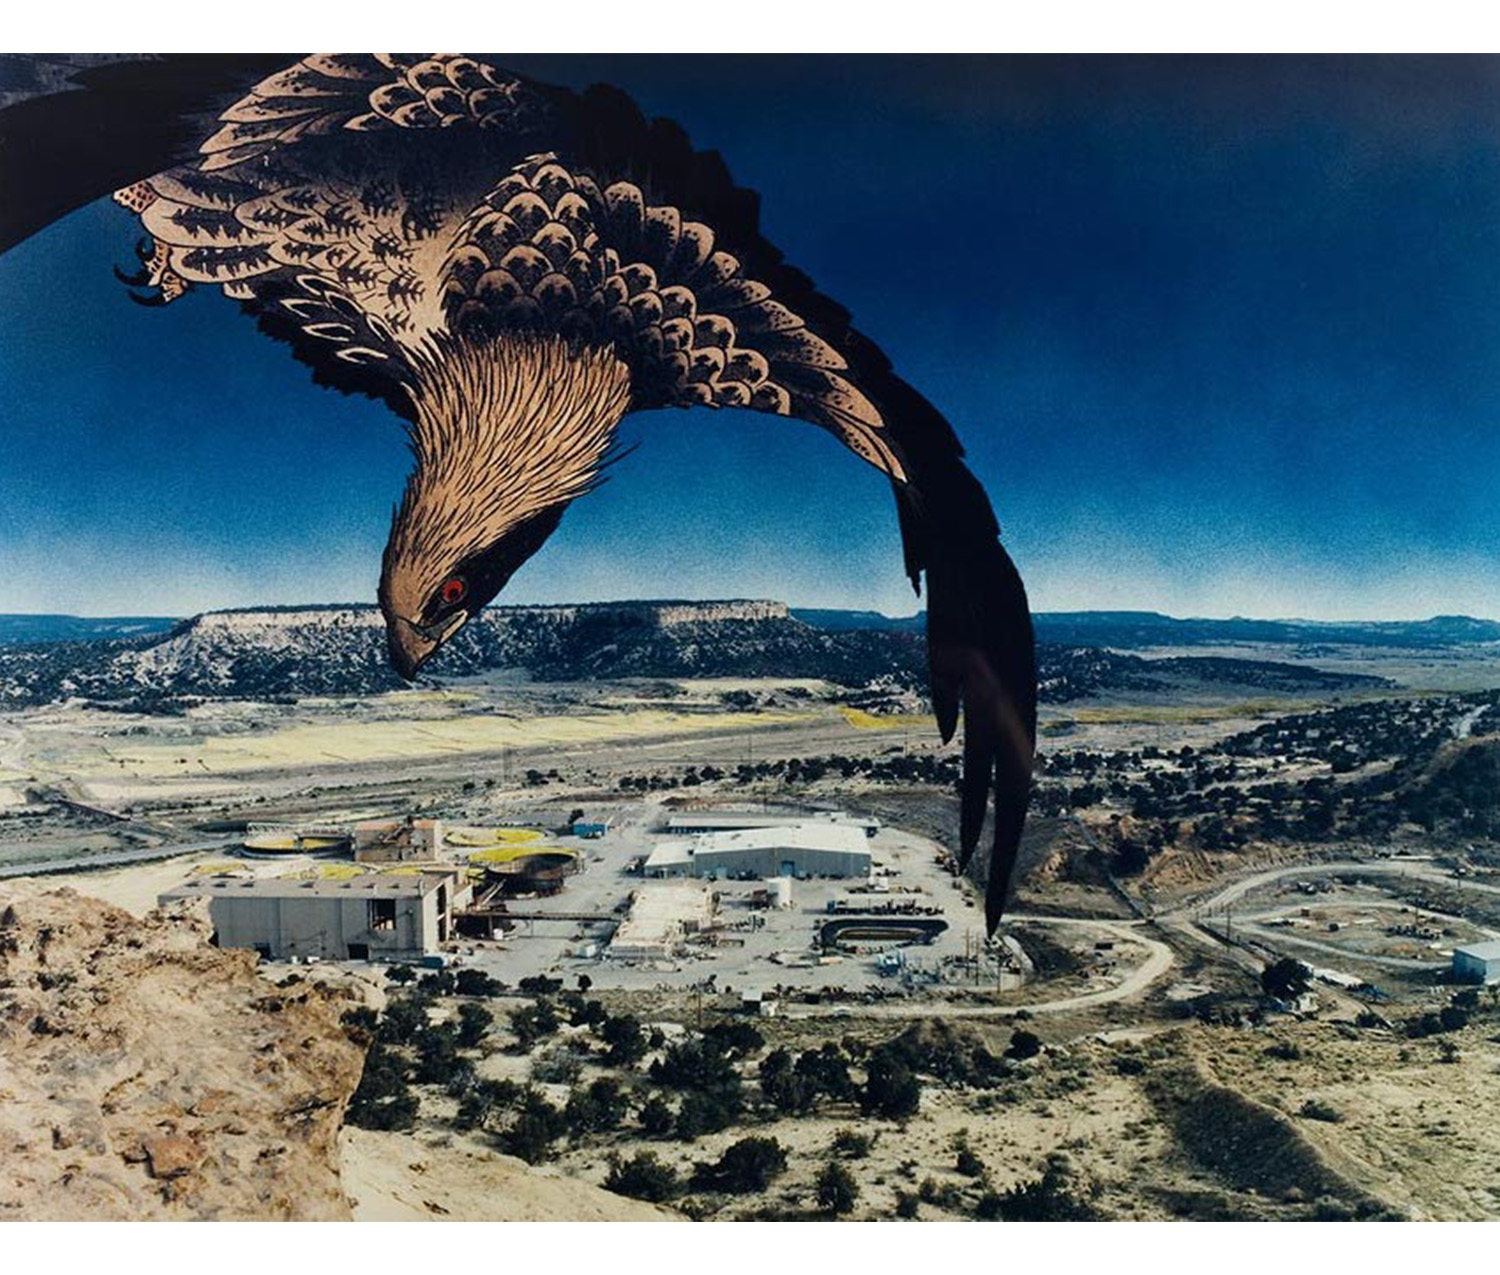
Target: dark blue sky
1221	336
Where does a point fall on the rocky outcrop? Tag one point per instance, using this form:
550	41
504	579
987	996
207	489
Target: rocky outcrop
274	653
283	653
145	1074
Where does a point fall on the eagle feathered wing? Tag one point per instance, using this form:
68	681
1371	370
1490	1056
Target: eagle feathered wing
710	314
361	206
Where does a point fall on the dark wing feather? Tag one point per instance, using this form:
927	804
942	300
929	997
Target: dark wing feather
806	360
85	129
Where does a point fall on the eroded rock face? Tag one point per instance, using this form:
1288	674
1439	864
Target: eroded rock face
147	1075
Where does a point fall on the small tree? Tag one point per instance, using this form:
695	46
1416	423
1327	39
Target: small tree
402	1021
382	1100
475	983
966	1162
746	1166
891	1088
702	1113
588	1014
826	1073
1050	1198
1286	979
596	1109
735	1039
536	1128
1024	1044
534	1022
483	1099
783	1088
656	1118
642	1177
473	1022
837	1190
359	1024
437	1055
626	1040
851	1145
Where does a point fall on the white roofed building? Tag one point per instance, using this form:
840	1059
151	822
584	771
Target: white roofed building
1477	962
798	850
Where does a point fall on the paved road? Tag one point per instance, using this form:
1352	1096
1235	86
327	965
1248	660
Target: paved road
113	858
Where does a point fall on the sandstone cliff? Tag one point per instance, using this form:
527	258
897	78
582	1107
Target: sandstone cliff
147	1075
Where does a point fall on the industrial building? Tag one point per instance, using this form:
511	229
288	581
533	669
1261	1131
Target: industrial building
398	840
660	917
741	820
796	850
376	917
1477	962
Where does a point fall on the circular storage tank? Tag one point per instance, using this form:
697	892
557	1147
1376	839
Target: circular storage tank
276	843
780	891
482	837
539	871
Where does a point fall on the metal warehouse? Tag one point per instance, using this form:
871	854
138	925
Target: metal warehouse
1477	962
737	820
801	850
370	917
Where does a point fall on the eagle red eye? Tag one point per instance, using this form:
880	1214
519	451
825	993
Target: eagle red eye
453	591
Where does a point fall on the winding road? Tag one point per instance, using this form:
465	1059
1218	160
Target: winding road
1159	959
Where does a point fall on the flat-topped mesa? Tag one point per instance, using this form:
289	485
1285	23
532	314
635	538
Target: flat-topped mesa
317	650
659	614
261	621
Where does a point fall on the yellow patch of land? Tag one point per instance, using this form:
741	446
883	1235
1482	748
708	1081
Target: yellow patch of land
887	721
1123	713
356	742
490	836
509	854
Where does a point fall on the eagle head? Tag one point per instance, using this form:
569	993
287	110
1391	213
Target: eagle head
506	434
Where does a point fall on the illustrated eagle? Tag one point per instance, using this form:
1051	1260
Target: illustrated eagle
512	267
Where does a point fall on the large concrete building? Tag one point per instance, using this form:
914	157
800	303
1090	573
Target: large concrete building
1477	962
370	917
799	850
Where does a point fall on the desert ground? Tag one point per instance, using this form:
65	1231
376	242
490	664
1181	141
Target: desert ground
1162	1083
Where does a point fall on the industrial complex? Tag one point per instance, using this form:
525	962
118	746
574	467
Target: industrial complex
816	897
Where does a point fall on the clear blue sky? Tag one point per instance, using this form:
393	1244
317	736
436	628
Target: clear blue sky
1221	336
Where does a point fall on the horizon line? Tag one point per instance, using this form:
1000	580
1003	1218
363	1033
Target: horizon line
791	606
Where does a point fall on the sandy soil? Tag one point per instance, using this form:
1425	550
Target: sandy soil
147	1075
1413	1131
393	1177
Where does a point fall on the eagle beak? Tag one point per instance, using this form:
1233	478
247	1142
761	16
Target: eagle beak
412	645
